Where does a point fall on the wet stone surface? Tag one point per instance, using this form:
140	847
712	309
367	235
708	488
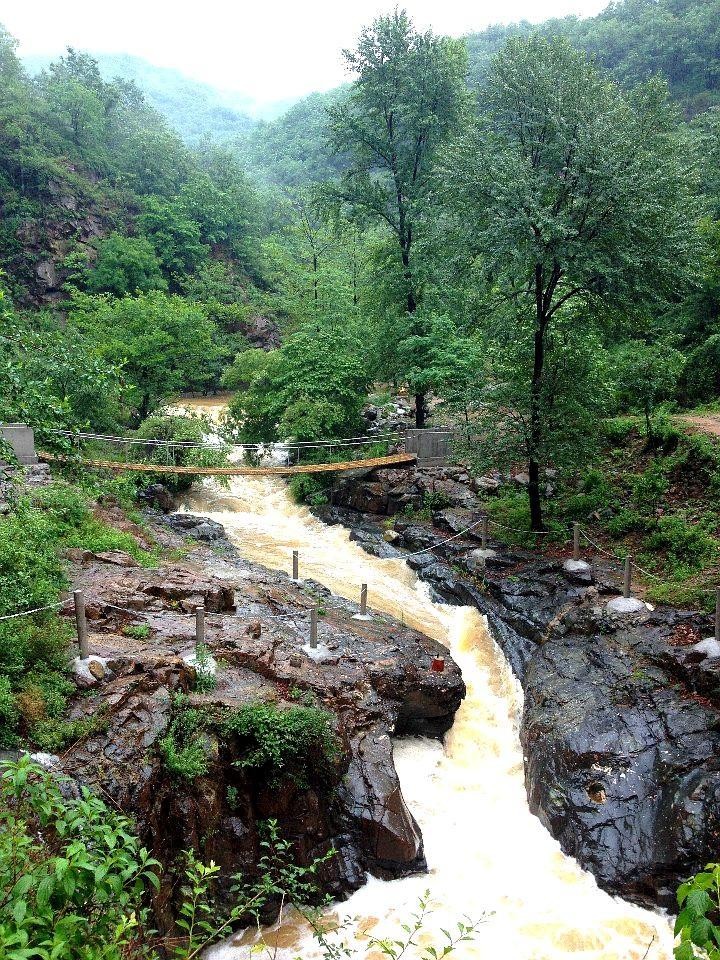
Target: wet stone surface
375	680
621	721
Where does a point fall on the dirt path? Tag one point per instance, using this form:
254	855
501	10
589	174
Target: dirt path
707	423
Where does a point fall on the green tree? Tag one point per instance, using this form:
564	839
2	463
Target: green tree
646	374
125	265
409	94
51	377
574	197
700	382
164	344
312	388
174	236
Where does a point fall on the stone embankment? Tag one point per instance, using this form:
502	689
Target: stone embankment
374	678
621	720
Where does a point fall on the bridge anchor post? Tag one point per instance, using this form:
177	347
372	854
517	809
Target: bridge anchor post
21	438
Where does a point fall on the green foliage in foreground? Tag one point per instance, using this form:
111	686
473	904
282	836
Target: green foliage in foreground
72	875
74	884
698	923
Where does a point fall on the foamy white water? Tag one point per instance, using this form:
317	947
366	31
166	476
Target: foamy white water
486	852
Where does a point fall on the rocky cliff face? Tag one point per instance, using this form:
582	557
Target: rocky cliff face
621	720
373	677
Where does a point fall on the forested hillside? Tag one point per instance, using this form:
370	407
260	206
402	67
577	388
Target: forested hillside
635	39
194	109
678	40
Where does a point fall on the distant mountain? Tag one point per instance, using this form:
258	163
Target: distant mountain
193	108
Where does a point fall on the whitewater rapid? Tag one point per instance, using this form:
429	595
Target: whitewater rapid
487	854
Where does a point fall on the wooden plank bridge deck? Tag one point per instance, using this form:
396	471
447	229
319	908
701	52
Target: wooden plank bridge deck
394	460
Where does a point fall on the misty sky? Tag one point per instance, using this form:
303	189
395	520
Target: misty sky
269	49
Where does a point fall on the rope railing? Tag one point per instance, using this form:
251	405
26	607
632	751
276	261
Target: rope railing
223	445
30	613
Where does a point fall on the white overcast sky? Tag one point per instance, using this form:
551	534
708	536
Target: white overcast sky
268	49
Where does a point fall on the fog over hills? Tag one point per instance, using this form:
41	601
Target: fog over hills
194	109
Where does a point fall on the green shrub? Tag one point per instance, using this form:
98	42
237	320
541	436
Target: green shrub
595	492
205	679
297	743
626	521
700	382
140	631
72	875
180	428
54	735
696	929
184	746
31	572
618	429
308	488
684	595
649	488
9	715
685	544
98	537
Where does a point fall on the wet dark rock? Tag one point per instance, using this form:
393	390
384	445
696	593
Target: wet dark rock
198	528
377	682
158	495
621	721
389	491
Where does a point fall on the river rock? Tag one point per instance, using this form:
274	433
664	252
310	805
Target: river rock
621	720
375	681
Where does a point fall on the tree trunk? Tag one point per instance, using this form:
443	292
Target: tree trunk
536	519
536	425
420	409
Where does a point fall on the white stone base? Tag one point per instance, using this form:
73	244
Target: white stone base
626	605
208	667
575	567
361	616
89	671
478	558
709	646
319	653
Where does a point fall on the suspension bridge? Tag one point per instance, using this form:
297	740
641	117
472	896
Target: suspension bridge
416	447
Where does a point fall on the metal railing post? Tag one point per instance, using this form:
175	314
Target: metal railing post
627	576
363	599
295	565
81	623
717	614
484	532
313	626
576	541
199	626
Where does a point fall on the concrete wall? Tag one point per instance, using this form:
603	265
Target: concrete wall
22	439
431	446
